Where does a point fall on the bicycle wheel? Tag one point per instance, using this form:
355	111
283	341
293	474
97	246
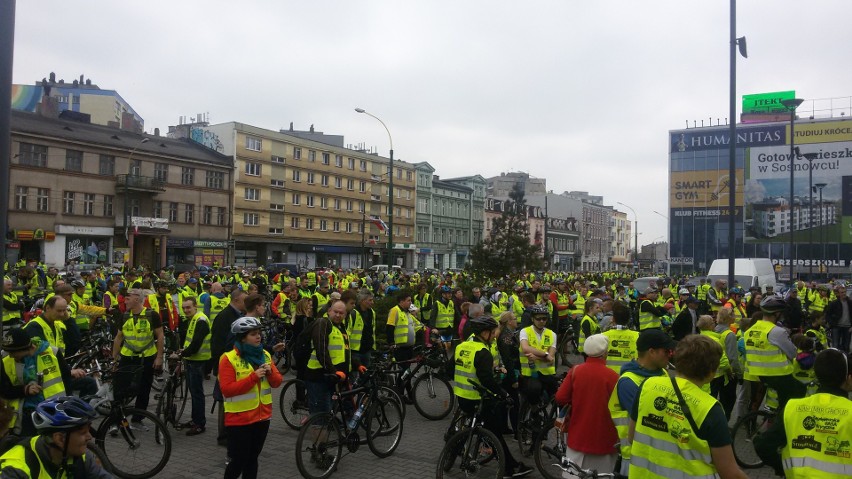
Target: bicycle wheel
384	427
526	429
478	451
548	449
181	396
433	396
99	457
293	403
135	450
319	446
392	394
745	430
166	405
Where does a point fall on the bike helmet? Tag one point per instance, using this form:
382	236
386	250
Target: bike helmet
773	304
62	414
482	323
686	291
244	325
737	290
538	310
78	284
446	289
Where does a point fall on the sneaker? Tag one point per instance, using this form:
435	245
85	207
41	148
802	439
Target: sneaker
138	425
521	470
185	425
195	430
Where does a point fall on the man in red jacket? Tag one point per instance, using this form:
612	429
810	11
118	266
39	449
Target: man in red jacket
587	388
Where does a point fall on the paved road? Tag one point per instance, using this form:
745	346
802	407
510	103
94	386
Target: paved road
416	456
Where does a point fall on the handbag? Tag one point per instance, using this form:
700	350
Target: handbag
682	403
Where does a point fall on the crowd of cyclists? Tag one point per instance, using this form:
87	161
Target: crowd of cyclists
684	359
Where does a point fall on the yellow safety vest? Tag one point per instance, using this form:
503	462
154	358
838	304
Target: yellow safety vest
338	344
113	300
54	335
517	306
203	352
819	335
701	291
10	315
355	329
321	300
593	329
259	393
217	305
446	314
138	335
404	323
528	366
564	300
81	319
464	369
52	385
721	297
579	304
622	348
16	458
818	429
818	304
664	444
420	303
762	357
724	362
647	319
621	416
312	278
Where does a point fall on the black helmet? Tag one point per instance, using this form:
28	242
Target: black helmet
773	304
77	284
482	323
538	310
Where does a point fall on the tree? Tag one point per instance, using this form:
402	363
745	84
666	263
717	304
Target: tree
507	248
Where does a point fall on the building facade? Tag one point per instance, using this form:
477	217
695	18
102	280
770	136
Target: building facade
535	220
83	193
316	203
562	240
501	186
621	241
450	218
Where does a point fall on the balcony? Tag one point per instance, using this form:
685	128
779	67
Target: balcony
134	183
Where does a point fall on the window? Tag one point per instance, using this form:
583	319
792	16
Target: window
207	217
351	163
216	180
408	212
408	194
134	207
350	184
276	207
277	183
189	213
323	225
336	204
348	227
338	182
312	155
278	159
43	200
187	176
32	155
297	200
362	165
21	193
309	223
361	227
106	165
297	153
325	158
294	223
108	200
68	203
336	226
309	201
349	205
276	231
251	219
173	212
297	176
361	205
88	204
220	216
73	160
253	143
324	180
362	186
252	168
161	172
408	175
338	161
399	173
252	194
158	209
135	168
310	177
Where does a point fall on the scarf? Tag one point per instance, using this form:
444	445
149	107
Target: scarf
250	353
30	371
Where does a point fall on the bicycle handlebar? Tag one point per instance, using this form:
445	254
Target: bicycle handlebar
571	467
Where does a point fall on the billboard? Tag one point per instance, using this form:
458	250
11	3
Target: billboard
767	102
705	189
719	138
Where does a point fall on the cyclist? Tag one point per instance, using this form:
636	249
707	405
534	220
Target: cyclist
60	448
473	360
649	313
622	347
770	352
196	353
589	324
538	352
813	429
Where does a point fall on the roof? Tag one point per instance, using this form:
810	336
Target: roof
33	123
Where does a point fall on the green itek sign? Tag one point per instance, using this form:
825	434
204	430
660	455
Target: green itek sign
767	102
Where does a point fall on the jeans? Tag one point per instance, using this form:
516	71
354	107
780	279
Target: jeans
128	372
840	338
319	396
87	386
244	446
195	383
787	387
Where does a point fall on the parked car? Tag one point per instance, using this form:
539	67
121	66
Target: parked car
641	284
274	268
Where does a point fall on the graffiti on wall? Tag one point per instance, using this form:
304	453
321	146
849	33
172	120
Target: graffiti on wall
207	138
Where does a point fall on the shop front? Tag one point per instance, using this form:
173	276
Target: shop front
80	245
325	256
197	252
28	245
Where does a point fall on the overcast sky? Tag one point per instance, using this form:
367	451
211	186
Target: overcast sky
581	93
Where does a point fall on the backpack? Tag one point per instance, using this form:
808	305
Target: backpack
302	347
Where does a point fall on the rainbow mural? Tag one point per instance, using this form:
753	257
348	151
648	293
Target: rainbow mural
26	97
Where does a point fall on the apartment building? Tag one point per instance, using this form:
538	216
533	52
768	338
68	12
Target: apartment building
304	197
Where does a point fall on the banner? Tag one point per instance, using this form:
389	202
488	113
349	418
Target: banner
821	132
718	138
702	189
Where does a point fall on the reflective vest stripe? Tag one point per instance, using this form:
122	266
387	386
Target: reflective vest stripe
647	319
844	470
666	472
446	314
260	393
661	445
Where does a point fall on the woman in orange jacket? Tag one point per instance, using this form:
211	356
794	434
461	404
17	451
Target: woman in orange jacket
246	377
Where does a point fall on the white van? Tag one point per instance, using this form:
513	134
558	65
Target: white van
383	268
748	272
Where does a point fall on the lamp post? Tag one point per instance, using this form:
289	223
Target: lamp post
791	106
390	188
669	245
635	234
810	157
820	186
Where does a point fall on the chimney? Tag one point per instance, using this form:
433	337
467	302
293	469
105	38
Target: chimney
291	126
312	127
156	132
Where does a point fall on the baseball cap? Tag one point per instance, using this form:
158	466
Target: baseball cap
652	339
193	280
596	345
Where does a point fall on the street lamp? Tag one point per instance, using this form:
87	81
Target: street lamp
669	246
810	157
791	105
390	188
635	235
820	186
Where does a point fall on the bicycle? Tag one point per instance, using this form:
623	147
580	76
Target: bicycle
549	446
479	449
322	437
571	467
175	393
293	403
567	350
431	394
533	418
275	331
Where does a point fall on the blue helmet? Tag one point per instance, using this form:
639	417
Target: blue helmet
62	414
